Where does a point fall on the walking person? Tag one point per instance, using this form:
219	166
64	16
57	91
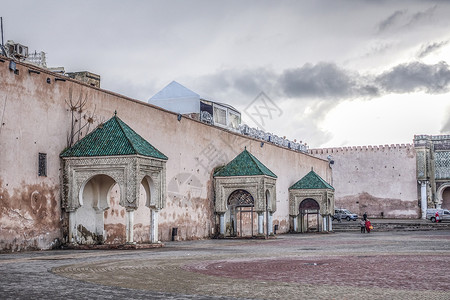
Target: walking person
368	225
363	225
365	216
436	216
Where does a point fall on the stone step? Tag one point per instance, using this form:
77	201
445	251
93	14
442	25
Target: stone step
413	225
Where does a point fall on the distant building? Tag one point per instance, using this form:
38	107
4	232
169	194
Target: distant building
433	170
181	100
86	77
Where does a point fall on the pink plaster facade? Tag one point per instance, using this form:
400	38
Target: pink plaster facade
35	118
379	180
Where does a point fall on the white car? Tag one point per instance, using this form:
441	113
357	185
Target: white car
444	214
340	214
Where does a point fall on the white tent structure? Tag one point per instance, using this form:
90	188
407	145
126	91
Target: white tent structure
177	98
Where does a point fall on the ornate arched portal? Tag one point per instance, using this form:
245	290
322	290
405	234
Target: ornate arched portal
307	208
443	195
113	154
94	201
241	210
311	196
244	185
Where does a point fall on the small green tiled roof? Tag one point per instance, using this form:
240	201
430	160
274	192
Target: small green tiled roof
311	181
112	138
245	164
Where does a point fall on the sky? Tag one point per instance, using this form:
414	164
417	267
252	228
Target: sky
333	73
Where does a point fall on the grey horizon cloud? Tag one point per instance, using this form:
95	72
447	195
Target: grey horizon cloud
426	49
323	86
414	77
327	81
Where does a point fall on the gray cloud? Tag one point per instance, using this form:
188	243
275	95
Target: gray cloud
390	21
429	48
401	19
416	76
422	15
325	81
320	80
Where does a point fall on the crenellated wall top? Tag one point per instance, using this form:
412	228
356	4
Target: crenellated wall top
391	147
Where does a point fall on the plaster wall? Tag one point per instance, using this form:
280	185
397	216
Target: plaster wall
35	118
379	180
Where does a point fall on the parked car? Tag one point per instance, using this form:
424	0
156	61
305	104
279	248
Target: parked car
340	214
444	214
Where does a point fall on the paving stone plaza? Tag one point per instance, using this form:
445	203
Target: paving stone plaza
348	265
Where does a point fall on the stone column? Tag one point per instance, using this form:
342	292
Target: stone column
423	198
324	223
330	223
270	223
222	223
295	224
260	223
72	226
130	225
154	235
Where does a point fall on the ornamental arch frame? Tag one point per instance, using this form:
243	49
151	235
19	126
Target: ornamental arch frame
128	172
256	186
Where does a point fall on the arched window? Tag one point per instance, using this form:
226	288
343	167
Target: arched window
241	198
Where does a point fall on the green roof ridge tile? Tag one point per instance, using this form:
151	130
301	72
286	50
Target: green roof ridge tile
112	138
245	164
311	181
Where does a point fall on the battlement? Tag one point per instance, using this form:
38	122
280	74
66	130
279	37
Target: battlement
391	147
432	137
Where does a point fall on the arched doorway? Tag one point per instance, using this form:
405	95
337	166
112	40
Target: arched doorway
94	199
310	209
145	227
445	196
241	208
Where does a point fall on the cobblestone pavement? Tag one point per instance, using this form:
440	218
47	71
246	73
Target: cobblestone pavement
379	265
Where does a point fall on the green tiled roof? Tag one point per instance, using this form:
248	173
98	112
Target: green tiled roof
245	164
114	137
311	181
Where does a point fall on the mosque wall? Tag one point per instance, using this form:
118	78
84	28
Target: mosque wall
37	111
379	180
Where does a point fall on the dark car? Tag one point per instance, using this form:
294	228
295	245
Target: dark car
340	214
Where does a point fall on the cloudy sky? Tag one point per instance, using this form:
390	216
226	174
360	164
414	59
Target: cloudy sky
336	73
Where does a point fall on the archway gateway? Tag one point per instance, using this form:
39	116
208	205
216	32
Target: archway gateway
241	208
311	196
244	187
443	195
308	207
112	154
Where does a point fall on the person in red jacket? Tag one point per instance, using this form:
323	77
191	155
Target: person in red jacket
436	216
368	225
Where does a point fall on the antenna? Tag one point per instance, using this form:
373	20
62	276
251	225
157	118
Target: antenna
3	44
1	21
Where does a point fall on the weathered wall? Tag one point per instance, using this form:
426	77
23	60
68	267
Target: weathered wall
36	118
379	179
